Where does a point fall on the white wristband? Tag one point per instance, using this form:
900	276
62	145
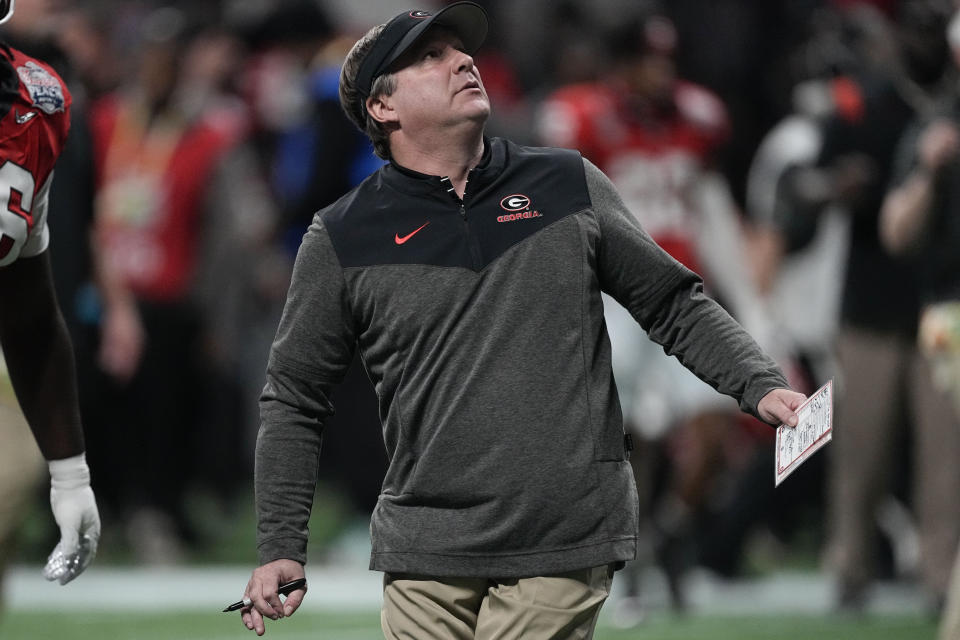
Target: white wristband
69	473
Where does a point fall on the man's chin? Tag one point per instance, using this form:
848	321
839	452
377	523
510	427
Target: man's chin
480	111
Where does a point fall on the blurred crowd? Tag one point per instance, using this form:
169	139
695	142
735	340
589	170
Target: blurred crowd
801	156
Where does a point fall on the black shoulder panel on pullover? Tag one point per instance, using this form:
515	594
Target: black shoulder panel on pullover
398	217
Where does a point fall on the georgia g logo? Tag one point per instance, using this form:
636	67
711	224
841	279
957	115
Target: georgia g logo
516	202
419	14
518	206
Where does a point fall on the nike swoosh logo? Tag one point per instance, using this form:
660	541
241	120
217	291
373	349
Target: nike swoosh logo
25	117
400	240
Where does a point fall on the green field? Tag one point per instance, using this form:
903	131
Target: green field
232	545
42	625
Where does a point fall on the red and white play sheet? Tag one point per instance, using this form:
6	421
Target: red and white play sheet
813	430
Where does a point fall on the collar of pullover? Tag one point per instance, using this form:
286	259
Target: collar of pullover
491	164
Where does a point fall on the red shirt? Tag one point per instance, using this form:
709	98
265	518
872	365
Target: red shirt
151	184
653	160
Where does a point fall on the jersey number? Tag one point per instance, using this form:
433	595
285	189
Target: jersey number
16	199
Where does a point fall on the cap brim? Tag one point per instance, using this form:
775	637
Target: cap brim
466	19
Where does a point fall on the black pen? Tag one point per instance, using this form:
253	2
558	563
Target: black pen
284	589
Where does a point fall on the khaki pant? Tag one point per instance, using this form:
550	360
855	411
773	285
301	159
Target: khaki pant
950	624
882	377
564	606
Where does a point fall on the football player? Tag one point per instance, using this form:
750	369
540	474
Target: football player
34	120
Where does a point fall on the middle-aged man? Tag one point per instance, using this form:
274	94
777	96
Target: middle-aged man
468	272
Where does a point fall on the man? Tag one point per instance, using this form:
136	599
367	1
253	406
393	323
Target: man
468	272
919	219
882	73
34	122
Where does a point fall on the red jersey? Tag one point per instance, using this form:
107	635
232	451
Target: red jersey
34	121
653	161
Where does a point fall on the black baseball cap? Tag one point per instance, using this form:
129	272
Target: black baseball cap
467	19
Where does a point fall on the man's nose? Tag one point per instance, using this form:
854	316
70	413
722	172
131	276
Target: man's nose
464	62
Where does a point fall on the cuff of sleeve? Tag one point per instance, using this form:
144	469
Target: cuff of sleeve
757	389
280	548
69	473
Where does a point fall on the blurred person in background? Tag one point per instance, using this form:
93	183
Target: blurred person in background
83	32
921	218
799	242
487	347
241	264
885	72
314	155
183	220
37	374
656	136
741	51
802	290
802	282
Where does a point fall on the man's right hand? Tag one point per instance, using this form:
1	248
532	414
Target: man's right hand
265	600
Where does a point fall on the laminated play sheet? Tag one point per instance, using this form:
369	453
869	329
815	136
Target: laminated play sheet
814	429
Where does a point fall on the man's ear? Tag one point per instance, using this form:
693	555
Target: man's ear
381	109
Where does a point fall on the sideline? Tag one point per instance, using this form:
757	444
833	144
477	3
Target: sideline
165	588
336	588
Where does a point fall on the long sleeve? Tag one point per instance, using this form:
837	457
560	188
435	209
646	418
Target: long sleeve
311	353
668	301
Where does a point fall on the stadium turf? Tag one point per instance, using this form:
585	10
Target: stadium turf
191	625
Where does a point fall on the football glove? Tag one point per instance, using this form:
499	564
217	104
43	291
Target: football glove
75	510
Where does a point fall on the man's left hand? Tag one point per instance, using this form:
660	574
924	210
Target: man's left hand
780	407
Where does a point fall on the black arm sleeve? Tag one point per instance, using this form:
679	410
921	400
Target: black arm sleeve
39	356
